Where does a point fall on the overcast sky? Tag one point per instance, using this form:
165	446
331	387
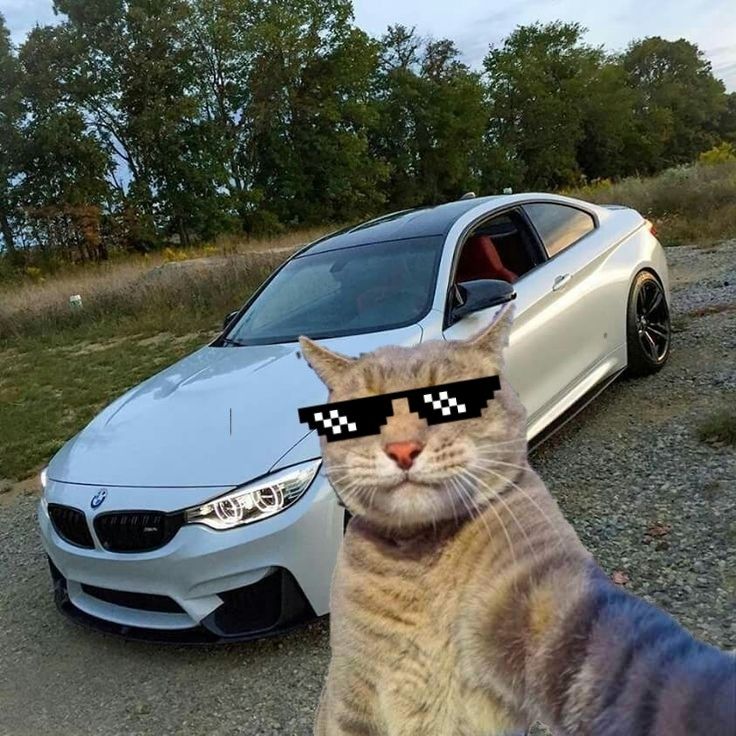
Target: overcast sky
474	24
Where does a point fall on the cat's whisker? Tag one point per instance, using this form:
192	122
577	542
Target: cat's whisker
497	496
500	443
344	480
364	455
500	521
372	496
526	495
506	452
448	487
353	487
491	460
339	476
337	480
350	491
350	459
456	511
435	506
347	473
368	469
456	487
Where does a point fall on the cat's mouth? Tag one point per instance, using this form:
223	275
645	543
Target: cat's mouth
419	479
405	484
397	482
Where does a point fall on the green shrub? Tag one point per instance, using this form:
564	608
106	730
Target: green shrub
723	154
688	204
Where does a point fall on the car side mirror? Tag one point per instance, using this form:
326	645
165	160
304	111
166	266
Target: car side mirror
472	296
229	318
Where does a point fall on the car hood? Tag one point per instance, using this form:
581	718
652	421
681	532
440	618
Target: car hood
219	417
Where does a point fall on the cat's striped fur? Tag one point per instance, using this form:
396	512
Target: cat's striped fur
463	603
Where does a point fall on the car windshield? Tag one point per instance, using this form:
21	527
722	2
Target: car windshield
363	288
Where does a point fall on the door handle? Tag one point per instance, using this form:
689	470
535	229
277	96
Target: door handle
561	281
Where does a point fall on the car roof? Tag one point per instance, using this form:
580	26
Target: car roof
415	223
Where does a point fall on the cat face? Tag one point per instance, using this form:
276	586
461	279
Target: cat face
414	471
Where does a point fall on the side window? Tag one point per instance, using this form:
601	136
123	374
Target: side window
500	248
558	225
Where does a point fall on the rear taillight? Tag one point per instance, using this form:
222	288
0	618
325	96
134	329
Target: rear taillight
652	229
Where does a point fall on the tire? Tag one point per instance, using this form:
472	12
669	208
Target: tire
648	329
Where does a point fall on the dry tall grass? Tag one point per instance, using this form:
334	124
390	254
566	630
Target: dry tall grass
692	204
165	289
688	204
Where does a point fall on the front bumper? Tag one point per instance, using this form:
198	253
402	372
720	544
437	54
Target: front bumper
204	585
272	606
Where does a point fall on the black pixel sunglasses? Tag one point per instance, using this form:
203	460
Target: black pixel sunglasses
449	402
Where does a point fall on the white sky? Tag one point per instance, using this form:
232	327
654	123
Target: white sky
474	24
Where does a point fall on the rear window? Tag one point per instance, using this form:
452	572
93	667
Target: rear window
558	225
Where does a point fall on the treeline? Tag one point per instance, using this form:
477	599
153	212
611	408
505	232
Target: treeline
134	122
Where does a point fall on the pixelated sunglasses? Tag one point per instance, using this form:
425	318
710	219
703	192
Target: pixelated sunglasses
449	402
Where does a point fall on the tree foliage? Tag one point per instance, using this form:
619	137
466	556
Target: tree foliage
131	122
539	82
679	101
10	138
430	119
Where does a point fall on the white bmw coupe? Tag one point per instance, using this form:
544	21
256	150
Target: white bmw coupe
194	507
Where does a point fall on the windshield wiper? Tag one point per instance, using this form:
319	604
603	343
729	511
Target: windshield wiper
230	341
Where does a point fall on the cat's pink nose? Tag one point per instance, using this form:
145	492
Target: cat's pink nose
403	453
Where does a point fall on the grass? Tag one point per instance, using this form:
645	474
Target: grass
59	366
719	428
688	204
48	392
184	289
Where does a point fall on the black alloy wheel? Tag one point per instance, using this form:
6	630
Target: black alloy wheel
648	329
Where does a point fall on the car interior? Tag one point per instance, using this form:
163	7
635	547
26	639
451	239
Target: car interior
501	248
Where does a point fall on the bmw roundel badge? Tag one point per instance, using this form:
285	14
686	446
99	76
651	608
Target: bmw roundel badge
99	498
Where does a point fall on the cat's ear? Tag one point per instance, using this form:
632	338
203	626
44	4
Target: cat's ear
323	362
494	338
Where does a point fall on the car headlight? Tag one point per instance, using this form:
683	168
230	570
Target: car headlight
44	478
255	501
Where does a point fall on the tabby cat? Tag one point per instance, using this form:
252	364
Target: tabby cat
463	603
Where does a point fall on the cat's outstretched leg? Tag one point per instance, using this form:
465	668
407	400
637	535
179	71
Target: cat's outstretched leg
586	657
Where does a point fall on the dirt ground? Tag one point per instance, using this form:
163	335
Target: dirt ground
655	504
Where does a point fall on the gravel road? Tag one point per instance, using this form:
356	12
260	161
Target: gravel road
656	506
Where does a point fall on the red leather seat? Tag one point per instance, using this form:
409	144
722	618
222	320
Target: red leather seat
480	260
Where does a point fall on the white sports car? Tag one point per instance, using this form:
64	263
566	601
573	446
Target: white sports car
195	508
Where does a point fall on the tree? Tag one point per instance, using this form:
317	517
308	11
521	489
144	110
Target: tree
134	76
610	142
727	121
132	121
219	34
309	112
11	111
679	100
538	82
63	166
431	119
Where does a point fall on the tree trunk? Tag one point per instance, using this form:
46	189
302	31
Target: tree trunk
7	233
183	234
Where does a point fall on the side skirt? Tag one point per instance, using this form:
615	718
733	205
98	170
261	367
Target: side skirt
572	411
